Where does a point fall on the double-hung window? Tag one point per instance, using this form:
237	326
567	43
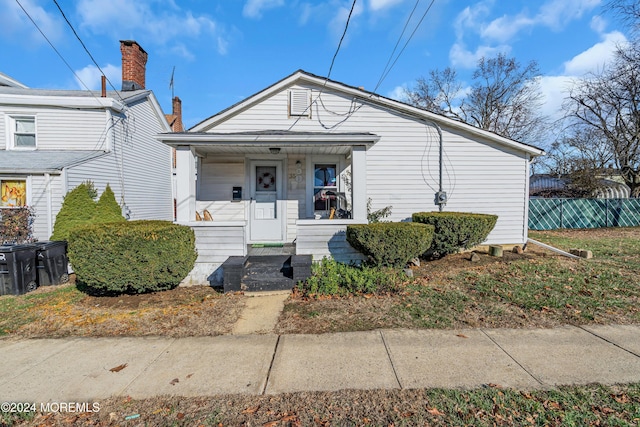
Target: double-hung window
23	130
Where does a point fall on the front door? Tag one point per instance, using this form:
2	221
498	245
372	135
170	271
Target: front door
267	216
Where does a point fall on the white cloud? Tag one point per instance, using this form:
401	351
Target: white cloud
376	5
460	56
337	24
598	24
122	18
398	93
472	18
553	89
596	56
593	59
506	27
557	13
89	76
254	8
15	23
554	14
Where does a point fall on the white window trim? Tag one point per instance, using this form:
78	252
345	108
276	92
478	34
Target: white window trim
11	131
311	161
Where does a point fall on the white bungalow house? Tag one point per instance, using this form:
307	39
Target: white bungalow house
53	140
299	161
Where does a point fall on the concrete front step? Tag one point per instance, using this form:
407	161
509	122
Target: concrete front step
265	273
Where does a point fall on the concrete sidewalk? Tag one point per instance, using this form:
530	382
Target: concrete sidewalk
82	369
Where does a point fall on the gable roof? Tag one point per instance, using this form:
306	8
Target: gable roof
303	77
84	99
10	81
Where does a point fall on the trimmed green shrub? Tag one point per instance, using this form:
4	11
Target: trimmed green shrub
329	277
131	257
455	230
77	210
107	208
390	244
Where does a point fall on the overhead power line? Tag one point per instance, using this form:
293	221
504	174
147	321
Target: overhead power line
86	49
387	71
52	46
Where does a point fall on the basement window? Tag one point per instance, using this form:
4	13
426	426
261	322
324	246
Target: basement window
300	103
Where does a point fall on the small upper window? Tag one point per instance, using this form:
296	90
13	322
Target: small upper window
24	132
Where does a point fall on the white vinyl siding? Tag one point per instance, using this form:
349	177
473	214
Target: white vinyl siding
325	239
217	178
3	132
402	167
41	196
138	165
64	129
215	243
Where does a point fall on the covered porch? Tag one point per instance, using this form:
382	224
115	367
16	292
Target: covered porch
247	190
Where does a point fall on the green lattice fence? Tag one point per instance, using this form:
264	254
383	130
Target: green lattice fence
549	214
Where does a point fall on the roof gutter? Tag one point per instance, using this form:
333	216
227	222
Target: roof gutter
63	101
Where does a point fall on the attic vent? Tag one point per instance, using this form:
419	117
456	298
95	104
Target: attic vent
299	103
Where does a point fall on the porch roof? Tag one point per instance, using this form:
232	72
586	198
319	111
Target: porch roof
260	142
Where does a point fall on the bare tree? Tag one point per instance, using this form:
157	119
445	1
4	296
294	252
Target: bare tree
608	102
504	97
627	10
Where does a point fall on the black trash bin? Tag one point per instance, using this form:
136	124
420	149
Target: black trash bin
52	263
17	269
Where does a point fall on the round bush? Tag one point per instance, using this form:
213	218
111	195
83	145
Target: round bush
131	257
455	230
390	244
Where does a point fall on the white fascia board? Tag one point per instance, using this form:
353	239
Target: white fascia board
157	109
62	101
252	140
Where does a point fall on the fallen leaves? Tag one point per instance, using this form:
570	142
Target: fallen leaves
118	368
435	411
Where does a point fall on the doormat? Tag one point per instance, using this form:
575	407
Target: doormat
267	245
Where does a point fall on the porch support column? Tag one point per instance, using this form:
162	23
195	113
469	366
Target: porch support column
185	184
359	182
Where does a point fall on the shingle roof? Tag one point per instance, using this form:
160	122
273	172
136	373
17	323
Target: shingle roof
42	161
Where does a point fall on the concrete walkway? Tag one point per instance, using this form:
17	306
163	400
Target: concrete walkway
261	313
82	369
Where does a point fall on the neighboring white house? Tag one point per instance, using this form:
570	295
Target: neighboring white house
298	162
53	140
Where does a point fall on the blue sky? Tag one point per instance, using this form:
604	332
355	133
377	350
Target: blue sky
226	50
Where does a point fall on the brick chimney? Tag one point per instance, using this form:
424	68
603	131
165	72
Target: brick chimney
175	118
134	61
177	113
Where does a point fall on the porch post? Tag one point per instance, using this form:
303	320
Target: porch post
359	182
185	184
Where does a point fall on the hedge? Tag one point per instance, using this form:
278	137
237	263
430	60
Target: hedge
390	244
131	257
455	230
